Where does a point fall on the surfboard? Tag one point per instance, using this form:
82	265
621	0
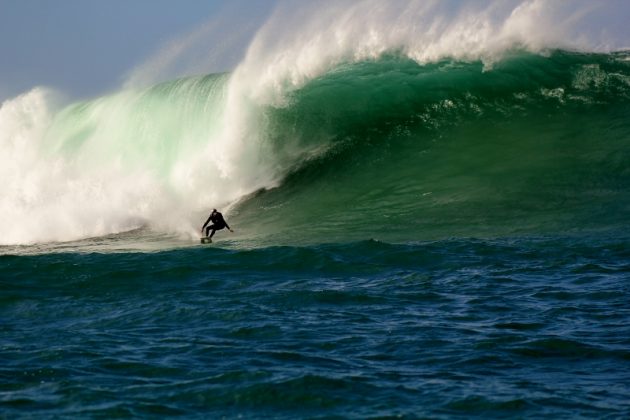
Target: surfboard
206	240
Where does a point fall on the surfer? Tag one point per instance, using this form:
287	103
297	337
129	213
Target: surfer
218	223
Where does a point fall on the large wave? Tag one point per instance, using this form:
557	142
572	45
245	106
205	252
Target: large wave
402	121
537	145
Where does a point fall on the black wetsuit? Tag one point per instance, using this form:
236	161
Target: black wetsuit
218	223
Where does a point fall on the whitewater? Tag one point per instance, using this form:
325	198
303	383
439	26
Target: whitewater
161	155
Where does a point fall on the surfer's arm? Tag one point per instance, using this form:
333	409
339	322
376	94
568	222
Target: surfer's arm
222	220
205	224
226	224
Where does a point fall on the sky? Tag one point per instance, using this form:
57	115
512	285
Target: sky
87	47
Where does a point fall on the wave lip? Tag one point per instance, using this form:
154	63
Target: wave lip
299	44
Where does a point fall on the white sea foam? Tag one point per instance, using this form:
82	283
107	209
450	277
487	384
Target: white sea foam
118	163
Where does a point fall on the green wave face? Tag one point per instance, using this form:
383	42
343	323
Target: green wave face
386	149
400	151
148	129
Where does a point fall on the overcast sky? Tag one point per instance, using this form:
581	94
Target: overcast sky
87	47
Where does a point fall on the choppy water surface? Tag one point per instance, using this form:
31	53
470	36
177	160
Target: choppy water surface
523	328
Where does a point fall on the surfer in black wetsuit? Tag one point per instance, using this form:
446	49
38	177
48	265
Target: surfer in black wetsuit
218	223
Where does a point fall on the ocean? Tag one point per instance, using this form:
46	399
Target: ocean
443	236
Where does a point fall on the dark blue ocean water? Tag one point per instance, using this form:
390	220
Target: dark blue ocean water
462	328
